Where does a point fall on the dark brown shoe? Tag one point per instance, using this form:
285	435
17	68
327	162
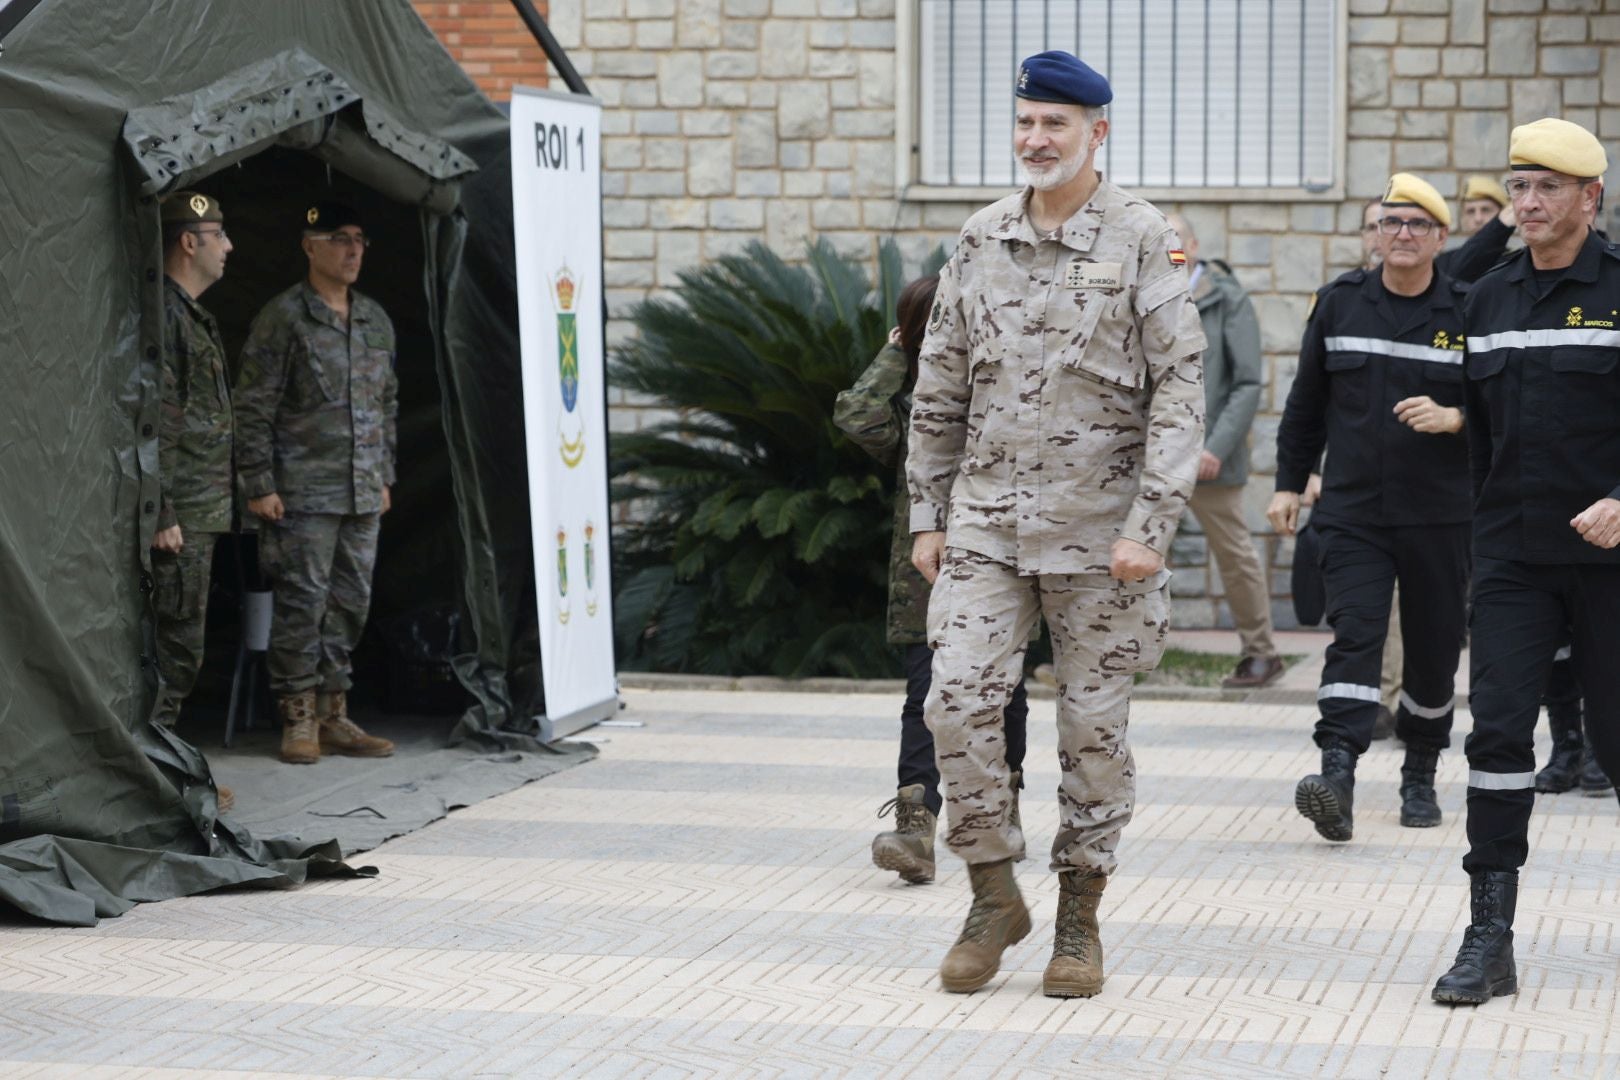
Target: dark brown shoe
1254	672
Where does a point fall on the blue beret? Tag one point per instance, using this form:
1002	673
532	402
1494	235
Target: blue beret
1061	77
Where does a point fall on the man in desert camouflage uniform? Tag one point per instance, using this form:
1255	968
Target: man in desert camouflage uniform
194	447
1055	438
316	407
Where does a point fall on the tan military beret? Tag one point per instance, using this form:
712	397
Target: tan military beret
1557	145
1485	187
190	208
1407	190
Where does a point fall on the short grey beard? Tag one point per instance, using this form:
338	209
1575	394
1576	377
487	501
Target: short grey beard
1052	178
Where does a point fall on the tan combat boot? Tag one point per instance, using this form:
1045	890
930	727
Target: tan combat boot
909	849
1076	968
997	920
340	735
300	741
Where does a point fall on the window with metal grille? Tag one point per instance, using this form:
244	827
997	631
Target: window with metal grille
1207	93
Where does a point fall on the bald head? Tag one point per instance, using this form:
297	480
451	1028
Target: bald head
1189	239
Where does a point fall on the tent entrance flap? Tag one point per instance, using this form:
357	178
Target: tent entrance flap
295	101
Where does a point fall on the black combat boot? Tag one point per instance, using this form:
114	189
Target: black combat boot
1563	769
1419	809
1325	798
1484	967
1594	781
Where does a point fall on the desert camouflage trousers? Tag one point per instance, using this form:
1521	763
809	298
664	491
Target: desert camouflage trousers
180	612
320	566
1103	633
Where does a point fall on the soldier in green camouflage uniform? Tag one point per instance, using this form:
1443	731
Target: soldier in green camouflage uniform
1055	436
316	408
874	414
194	444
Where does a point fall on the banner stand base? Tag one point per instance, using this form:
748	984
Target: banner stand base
555	727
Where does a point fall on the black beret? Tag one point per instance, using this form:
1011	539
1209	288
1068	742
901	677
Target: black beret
1061	77
329	216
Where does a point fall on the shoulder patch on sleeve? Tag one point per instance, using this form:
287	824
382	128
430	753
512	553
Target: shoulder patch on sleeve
1160	290
1310	309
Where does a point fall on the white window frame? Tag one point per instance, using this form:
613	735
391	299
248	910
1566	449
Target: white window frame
908	130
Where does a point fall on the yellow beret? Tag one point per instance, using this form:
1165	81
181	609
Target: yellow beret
1485	187
189	208
1408	190
1557	145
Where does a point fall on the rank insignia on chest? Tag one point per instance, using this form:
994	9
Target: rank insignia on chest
1093	275
1178	257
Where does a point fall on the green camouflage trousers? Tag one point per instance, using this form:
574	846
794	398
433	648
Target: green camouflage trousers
320	566
1103	633
180	610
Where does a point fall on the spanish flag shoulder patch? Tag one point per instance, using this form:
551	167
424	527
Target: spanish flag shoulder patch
1178	257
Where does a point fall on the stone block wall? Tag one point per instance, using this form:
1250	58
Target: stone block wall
735	120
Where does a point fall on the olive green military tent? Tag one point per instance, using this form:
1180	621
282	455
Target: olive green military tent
104	107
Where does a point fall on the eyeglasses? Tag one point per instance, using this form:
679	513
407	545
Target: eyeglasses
1546	187
210	232
344	240
1392	226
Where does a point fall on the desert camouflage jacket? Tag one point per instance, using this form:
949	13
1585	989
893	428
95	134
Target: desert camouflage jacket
1060	400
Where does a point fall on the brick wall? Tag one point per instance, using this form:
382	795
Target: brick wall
490	41
732	120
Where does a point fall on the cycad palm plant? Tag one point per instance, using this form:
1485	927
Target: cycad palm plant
759	536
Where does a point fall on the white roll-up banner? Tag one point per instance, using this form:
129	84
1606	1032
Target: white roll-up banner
557	219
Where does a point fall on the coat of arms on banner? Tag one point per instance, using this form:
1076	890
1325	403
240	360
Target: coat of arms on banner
562	576
571	427
590	569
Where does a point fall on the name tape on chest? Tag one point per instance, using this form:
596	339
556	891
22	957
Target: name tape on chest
1094	275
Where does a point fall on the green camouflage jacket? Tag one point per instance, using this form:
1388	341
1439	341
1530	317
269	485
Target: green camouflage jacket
195	434
316	403
874	414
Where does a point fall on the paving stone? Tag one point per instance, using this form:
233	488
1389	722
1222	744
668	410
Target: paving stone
700	900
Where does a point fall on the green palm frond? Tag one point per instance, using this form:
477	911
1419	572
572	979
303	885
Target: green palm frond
761	534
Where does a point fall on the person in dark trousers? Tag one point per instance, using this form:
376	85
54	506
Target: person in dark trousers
1543	398
875	413
1380	387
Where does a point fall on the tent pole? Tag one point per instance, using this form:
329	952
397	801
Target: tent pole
554	52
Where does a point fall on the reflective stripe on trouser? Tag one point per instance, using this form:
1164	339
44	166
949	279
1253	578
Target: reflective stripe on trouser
1360	566
1103	633
180	615
1522	614
321	567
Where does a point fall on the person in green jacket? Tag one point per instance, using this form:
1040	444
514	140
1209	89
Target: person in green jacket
875	414
196	445
1232	379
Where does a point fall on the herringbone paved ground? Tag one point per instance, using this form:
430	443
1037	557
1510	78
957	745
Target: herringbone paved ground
699	902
